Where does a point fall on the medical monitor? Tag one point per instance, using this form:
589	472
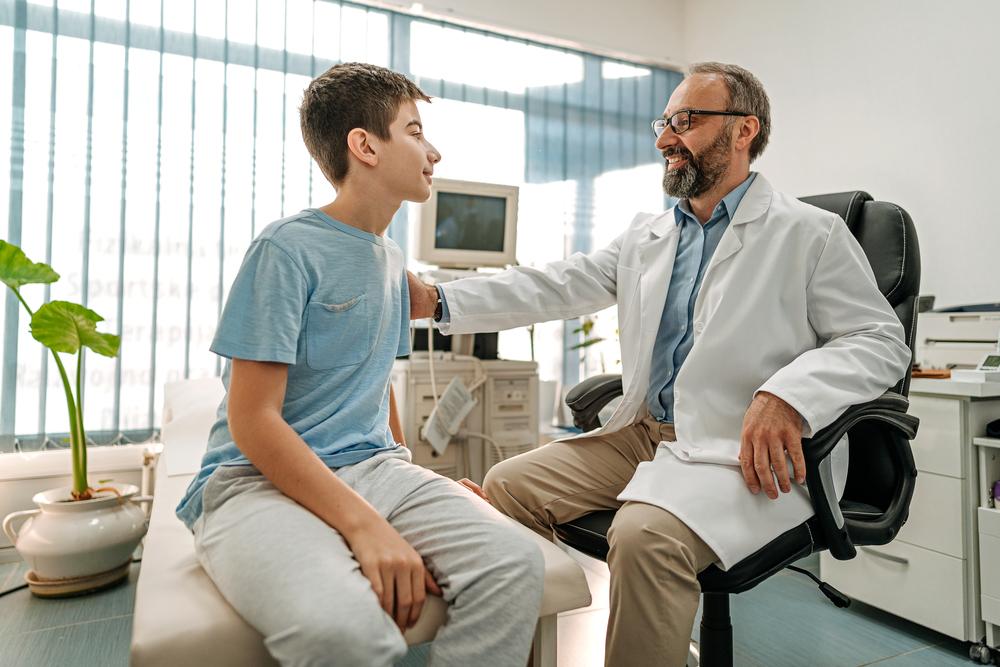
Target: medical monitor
468	225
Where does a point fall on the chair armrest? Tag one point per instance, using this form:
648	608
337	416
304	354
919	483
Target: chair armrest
890	411
588	397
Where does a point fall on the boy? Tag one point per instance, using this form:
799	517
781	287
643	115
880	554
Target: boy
307	513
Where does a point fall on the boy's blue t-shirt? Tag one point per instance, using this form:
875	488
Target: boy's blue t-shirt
331	301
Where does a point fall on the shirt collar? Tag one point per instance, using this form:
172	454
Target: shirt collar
725	208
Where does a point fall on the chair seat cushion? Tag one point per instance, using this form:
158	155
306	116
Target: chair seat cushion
180	617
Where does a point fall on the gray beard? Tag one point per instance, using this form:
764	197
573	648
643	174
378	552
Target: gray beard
683	183
700	174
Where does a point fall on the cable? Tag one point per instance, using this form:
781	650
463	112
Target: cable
13	590
805	572
487	439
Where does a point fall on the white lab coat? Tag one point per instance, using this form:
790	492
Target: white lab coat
788	305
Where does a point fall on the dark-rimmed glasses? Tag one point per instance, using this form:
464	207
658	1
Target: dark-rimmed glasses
680	122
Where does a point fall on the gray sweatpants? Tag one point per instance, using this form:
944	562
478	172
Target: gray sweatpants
294	579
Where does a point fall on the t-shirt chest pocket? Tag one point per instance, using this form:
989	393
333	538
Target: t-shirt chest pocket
337	334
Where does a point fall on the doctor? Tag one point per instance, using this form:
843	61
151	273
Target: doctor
748	321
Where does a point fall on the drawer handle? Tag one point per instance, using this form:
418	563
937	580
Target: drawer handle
890	557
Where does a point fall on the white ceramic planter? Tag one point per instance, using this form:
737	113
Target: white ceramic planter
65	539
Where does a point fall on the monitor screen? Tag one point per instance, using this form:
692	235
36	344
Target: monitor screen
468	225
470	222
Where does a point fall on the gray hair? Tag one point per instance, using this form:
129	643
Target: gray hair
747	95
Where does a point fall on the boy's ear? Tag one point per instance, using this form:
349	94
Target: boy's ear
359	142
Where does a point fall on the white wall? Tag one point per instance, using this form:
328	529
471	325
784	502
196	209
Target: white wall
897	97
649	29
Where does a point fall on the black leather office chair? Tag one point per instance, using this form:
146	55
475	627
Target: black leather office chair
881	475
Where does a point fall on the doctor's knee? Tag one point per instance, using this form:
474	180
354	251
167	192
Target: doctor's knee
501	484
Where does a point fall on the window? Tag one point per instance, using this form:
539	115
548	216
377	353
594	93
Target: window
147	204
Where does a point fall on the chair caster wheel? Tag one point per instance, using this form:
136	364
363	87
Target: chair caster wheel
980	653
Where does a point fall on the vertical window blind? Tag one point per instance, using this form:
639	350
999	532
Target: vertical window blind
150	141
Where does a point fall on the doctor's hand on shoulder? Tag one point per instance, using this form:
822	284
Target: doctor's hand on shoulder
423	297
771	427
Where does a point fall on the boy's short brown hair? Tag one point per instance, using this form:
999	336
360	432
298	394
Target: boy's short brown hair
345	97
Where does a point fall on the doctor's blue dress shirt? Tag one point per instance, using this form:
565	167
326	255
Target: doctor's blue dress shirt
695	247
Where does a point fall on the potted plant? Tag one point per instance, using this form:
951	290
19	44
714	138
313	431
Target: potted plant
80	538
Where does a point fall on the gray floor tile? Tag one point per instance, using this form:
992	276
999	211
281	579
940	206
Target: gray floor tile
785	621
103	643
22	612
952	653
7	571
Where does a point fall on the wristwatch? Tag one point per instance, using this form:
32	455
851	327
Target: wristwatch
437	309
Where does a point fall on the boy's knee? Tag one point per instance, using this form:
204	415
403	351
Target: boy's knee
363	643
521	557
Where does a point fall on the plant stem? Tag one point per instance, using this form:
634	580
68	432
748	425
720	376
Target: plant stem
77	455
23	302
81	433
77	439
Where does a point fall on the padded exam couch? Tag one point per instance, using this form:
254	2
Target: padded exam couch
180	617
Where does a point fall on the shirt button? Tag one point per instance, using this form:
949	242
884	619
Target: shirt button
699	327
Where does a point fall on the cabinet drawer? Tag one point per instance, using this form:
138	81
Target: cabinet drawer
989	563
938	445
935	520
917	584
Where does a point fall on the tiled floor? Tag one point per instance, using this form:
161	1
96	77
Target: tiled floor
785	621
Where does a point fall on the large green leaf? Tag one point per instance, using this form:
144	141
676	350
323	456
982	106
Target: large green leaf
66	327
17	270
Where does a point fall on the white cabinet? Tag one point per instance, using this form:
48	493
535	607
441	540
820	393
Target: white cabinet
930	573
989	538
506	411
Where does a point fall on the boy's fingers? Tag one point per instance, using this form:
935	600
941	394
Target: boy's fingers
389	591
375	578
432	585
404	599
475	488
419	595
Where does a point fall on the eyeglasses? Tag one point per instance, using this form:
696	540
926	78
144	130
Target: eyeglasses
680	122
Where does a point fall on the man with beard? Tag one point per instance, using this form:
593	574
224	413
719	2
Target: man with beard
748	321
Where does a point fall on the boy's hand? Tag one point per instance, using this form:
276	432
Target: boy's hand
395	570
423	298
475	488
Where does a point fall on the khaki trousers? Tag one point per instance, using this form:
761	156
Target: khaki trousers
654	558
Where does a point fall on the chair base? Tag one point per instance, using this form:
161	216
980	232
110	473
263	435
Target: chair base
716	645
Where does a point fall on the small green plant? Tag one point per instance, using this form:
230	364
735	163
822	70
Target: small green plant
62	327
586	328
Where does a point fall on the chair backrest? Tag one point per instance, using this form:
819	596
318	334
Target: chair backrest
887	235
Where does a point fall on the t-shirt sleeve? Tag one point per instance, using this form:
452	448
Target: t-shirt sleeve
263	315
404	318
